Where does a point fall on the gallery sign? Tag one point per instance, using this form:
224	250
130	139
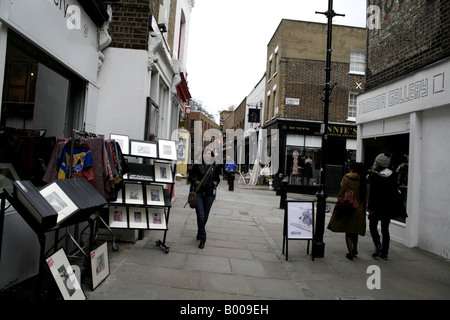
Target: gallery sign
422	90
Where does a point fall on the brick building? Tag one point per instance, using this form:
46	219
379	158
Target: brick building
295	78
405	110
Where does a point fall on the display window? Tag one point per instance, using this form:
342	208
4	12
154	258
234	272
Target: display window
302	166
398	147
39	93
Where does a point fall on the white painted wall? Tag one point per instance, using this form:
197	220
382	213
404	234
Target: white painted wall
123	91
434	220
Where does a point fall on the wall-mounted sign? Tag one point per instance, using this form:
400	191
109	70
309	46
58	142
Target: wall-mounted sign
254	115
292	101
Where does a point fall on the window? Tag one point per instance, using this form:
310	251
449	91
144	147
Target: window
352	106
357	62
38	92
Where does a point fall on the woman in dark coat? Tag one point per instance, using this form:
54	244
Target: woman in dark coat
382	204
206	193
353	224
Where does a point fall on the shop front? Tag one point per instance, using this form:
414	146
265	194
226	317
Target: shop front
49	61
409	118
300	154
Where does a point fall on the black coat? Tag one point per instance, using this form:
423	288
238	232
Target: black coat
384	198
197	173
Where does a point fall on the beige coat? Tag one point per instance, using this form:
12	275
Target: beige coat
356	222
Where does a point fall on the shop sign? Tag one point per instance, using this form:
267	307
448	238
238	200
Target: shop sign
333	130
422	90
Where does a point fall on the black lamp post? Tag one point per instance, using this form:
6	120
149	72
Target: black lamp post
318	249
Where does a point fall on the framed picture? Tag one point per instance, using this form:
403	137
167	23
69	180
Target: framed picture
118	217
134	193
155	195
123	141
157	218
163	172
99	265
143	149
167	150
65	277
300	219
137	218
119	198
56	197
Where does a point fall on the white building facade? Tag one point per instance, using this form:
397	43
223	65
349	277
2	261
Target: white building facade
412	113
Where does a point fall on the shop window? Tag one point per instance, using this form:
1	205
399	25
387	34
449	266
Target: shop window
38	93
302	165
41	101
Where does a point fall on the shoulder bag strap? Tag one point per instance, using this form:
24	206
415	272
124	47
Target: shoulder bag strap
201	182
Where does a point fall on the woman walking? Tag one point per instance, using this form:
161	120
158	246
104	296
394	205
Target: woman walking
353	223
208	174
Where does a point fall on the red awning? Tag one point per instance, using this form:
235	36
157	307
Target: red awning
183	91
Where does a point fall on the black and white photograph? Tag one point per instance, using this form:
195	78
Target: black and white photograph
61	202
65	277
99	265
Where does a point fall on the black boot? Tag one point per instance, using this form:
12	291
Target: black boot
202	244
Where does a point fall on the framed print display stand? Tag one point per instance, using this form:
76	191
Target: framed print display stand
144	202
298	223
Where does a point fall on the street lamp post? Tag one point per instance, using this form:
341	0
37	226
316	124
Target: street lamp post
318	249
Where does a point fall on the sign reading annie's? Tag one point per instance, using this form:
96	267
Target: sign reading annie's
422	90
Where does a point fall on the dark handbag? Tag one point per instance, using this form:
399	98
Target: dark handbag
346	202
192	197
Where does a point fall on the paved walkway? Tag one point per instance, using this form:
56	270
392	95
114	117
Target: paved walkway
243	260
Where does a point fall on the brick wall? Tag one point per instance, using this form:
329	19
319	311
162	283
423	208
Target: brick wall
129	25
305	79
412	34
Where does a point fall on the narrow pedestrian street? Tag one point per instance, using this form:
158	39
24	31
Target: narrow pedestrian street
243	259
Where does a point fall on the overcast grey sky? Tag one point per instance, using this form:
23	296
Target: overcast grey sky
228	42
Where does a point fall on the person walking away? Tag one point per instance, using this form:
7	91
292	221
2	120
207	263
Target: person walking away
230	167
383	185
353	223
210	171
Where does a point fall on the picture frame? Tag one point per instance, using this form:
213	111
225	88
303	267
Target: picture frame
64	276
134	193
163	172
99	265
157	218
123	141
57	198
155	195
146	149
137	218
118	217
167	150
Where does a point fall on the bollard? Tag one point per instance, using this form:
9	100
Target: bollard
231	181
283	195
